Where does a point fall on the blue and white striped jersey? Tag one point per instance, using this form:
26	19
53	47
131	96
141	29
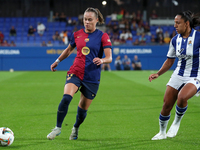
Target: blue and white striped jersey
187	50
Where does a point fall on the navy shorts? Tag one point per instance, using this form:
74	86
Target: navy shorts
89	90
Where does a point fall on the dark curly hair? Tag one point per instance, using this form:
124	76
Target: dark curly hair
194	19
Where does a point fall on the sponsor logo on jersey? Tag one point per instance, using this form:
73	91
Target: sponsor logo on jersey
86	39
108	40
181	50
85	50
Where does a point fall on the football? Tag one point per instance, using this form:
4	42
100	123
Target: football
6	136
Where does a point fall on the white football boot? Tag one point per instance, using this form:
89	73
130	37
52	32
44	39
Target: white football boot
159	136
162	133
55	132
173	130
74	134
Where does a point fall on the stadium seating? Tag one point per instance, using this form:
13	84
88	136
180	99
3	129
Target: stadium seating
22	24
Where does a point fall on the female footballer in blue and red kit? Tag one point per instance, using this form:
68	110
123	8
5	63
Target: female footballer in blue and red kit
85	72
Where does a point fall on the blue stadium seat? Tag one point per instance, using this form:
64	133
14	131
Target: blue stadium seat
134	32
62	29
108	19
1	25
19	29
171	28
26	19
56	25
6	34
148	38
31	38
18	38
44	38
75	19
154	33
13	20
135	37
26	26
24	39
129	42
12	38
19	34
32	19
19	24
20	19
1	19
38	19
165	28
62	24
7	25
153	28
70	28
44	19
7	19
56	43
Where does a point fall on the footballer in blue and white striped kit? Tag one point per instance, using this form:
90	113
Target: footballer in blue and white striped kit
185	80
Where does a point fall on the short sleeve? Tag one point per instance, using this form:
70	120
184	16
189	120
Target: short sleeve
171	52
106	42
72	41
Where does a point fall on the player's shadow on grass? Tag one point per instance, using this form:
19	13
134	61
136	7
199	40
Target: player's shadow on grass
26	142
115	143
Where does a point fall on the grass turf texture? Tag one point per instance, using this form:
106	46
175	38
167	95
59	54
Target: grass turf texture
124	114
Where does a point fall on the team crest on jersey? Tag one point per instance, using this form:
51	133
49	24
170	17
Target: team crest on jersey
190	43
85	50
86	39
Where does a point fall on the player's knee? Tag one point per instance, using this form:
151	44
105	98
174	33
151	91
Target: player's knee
182	101
65	101
167	106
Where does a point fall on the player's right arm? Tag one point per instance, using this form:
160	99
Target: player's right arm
64	55
165	67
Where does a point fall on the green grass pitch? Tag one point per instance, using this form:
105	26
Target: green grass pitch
123	116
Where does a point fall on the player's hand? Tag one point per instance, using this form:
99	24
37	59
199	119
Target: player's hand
97	61
54	65
153	76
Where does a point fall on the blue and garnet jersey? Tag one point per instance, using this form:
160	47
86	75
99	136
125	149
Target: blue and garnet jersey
89	46
187	50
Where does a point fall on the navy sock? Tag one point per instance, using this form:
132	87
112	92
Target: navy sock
63	108
180	111
164	118
80	117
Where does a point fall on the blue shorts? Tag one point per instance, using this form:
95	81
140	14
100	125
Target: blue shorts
89	90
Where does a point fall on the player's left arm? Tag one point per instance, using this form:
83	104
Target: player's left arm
107	51
107	59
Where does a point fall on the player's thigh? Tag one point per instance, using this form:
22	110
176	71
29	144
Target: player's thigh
189	90
84	102
170	95
70	88
72	84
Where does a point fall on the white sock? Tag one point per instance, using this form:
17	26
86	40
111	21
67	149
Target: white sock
163	126
179	114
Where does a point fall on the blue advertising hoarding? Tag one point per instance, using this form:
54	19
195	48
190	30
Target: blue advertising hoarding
40	58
